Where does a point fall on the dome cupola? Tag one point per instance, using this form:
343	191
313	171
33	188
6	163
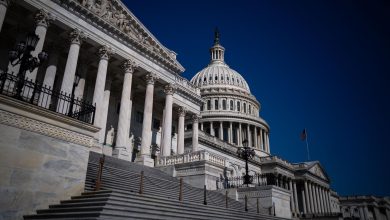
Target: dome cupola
218	74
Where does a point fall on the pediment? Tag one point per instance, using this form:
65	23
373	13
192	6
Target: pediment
115	13
317	170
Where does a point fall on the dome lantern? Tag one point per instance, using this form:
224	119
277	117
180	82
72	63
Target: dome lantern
217	52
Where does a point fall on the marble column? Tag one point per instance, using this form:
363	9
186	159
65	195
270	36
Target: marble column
322	200
230	133
211	129
255	138
308	205
42	21
366	212
268	148
314	199
3	10
48	81
180	130
195	135
104	112
311	198
124	151
304	198
292	201
261	140
329	201
76	37
221	130
377	213
104	54
167	125
361	213
146	142
239	135
248	135
296	207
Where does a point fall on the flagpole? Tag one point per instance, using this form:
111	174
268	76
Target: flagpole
307	147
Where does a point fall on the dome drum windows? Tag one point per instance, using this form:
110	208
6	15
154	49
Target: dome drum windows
244	107
231	105
224	104
208	104
216	104
238	106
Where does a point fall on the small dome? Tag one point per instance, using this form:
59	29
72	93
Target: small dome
220	75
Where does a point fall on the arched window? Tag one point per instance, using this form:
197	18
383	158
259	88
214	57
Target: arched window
216	77
208	105
224	104
238	106
231	105
216	104
250	109
244	107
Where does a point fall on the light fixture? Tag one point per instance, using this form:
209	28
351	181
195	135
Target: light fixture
32	40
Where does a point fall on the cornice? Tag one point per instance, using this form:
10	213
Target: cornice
113	20
232	116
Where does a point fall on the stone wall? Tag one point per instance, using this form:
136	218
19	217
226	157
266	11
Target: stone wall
37	170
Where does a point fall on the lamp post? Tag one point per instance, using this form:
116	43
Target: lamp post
21	54
246	153
75	84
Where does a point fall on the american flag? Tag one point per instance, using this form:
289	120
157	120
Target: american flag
303	135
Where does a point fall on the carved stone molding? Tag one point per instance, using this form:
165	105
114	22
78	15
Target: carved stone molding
129	66
6	3
150	78
182	111
42	18
76	36
105	52
33	125
169	89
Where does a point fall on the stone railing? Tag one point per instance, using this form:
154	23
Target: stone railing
191	157
275	159
186	84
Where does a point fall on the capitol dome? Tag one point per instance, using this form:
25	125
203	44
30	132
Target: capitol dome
230	112
218	73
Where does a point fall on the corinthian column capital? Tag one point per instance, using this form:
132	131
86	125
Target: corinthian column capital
169	89
42	18
129	66
150	78
76	36
105	52
195	118
182	111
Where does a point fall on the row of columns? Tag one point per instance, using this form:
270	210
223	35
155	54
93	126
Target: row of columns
316	199
237	105
260	136
101	93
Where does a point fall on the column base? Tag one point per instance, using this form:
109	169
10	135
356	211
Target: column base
145	160
122	153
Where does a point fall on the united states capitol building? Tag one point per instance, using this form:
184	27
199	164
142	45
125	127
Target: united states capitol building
92	80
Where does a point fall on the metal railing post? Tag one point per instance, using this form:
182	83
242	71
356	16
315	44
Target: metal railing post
141	183
181	190
100	173
226	199
204	195
246	203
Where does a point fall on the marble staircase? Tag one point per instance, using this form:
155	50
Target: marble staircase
119	197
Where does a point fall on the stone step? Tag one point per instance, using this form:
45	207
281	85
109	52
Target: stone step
69	215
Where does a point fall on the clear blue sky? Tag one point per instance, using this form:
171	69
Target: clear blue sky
320	65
